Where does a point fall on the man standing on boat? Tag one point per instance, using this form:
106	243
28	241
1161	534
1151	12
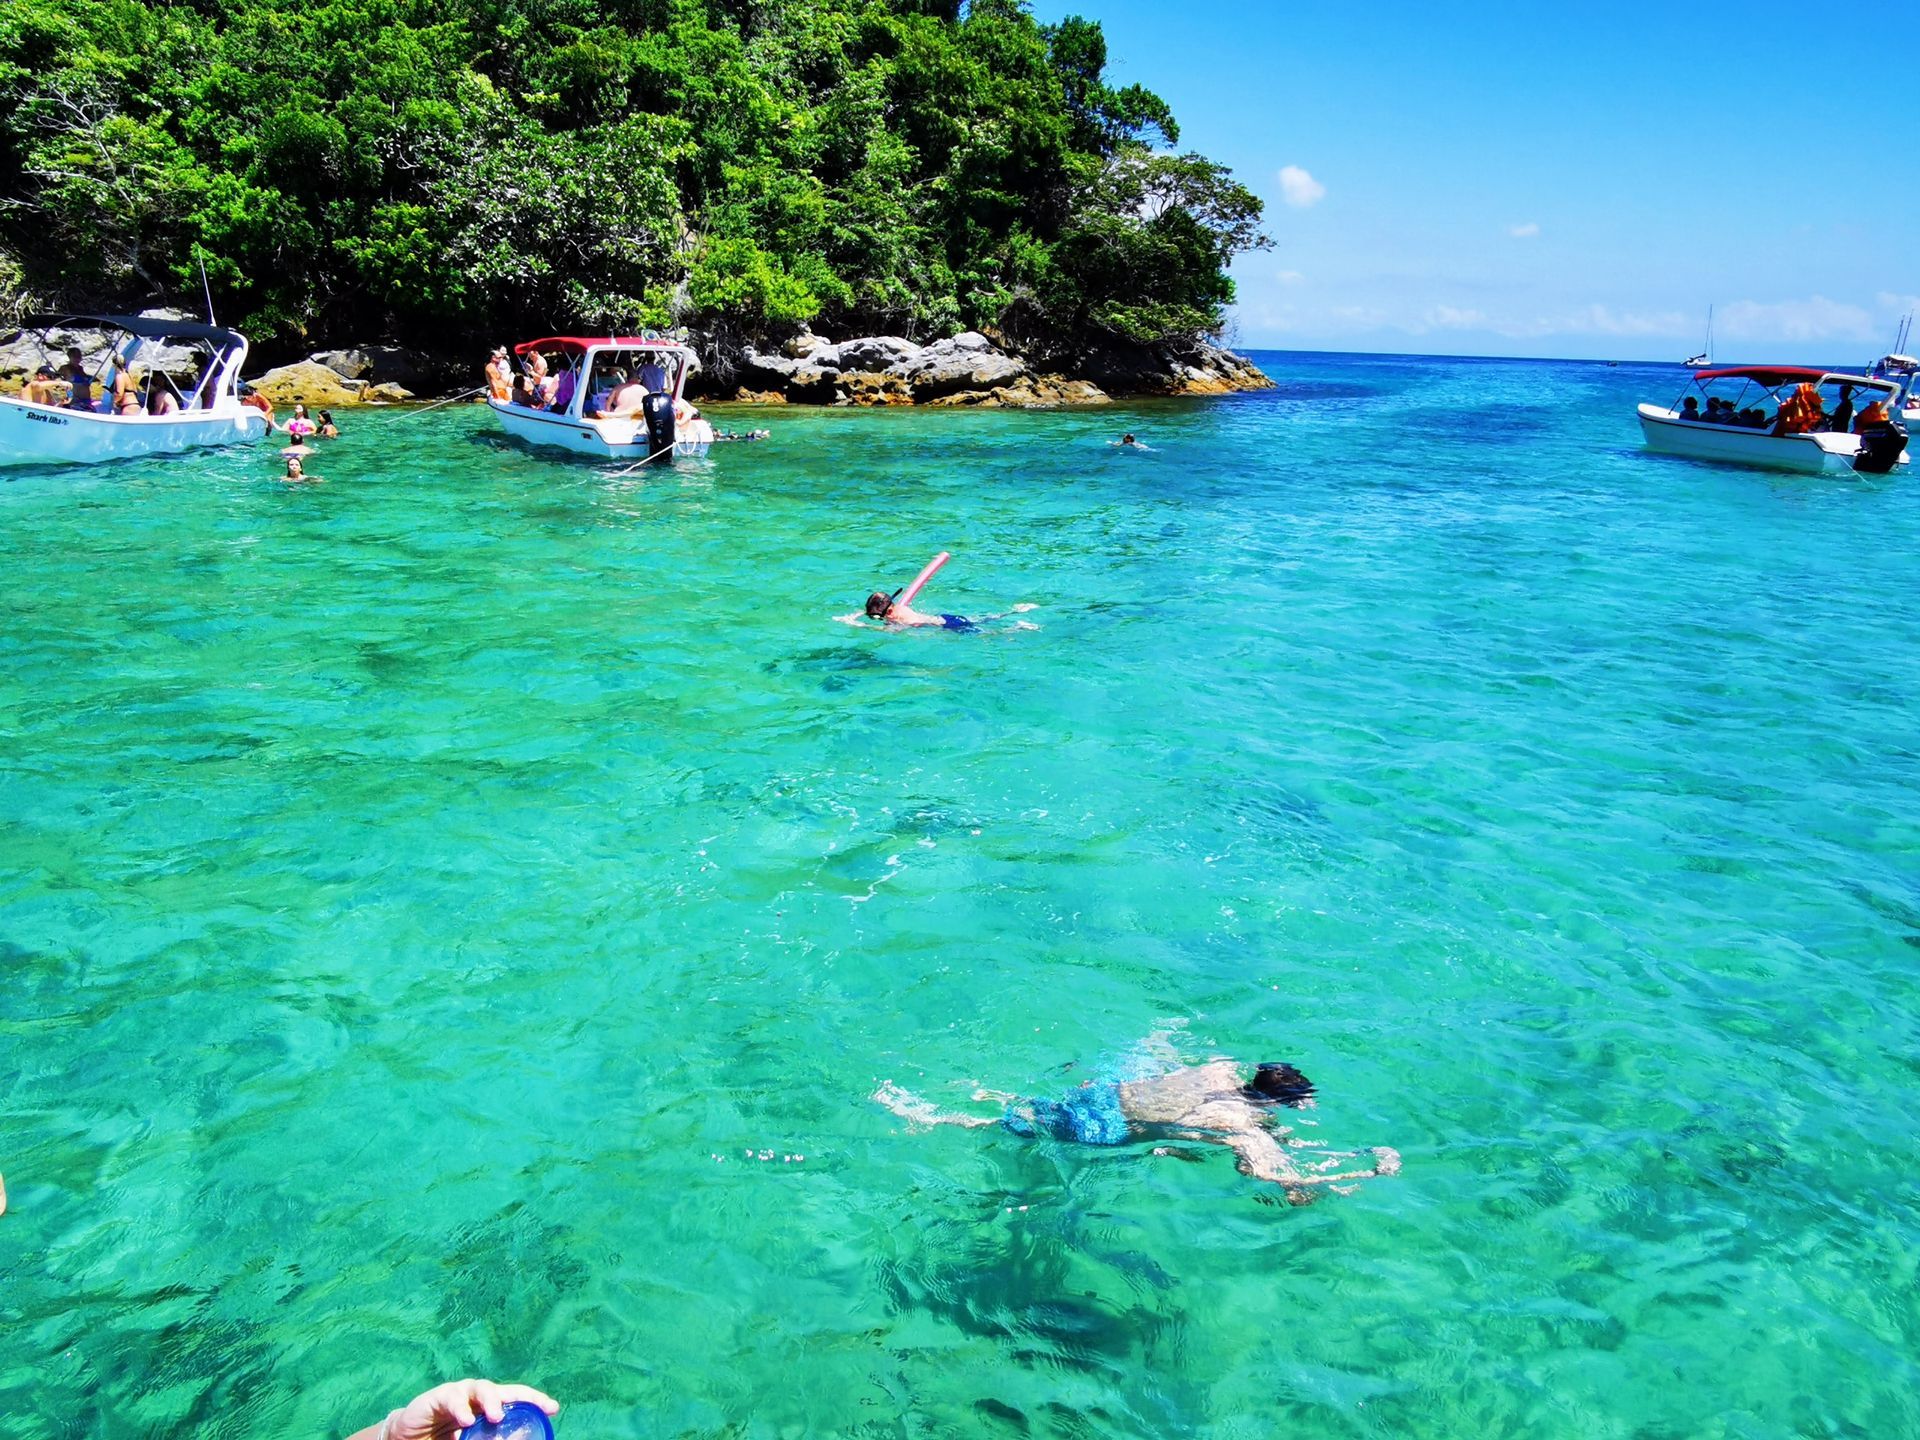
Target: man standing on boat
500	375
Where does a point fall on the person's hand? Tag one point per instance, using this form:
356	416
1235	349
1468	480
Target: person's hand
444	1411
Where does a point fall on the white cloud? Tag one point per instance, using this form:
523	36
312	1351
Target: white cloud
1451	317
1289	277
1815	318
1525	231
1599	320
1299	189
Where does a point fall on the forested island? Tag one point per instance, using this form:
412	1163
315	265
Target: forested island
446	175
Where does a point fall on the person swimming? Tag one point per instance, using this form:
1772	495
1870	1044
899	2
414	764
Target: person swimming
1128	442
885	608
1215	1103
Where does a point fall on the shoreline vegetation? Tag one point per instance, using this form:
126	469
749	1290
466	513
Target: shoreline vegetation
954	185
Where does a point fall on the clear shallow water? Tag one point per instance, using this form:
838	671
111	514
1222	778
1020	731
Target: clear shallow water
415	882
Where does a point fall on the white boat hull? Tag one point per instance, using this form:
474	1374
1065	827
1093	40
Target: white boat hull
43	435
1821	453
602	439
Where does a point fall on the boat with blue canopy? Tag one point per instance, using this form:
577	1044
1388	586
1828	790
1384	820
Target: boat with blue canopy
168	413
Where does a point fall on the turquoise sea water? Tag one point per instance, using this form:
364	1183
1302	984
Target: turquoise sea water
439	902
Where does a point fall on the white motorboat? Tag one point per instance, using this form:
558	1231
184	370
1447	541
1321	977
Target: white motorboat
209	413
1812	421
613	398
1901	368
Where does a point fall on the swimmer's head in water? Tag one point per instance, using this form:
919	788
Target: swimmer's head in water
1127	440
1280	1084
878	604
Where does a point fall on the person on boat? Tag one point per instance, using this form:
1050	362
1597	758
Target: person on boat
42	389
299	425
161	399
1841	420
499	375
653	375
1217	1103
124	391
1690	409
523	390
444	1411
328	430
627	400
540	380
296	473
1800	413
201	396
79	382
563	388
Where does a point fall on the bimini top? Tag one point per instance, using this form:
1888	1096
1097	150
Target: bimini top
579	344
1765	374
1773	376
147	327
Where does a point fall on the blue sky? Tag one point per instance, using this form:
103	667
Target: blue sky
1577	179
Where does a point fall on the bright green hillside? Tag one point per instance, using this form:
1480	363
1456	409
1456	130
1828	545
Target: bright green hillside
468	168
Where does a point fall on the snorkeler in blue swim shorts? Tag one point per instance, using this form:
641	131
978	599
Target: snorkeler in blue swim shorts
1216	1103
893	609
882	606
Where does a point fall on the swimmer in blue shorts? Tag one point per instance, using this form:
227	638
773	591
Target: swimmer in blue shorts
1216	1103
882	606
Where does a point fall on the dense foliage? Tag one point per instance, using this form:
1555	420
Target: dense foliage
403	168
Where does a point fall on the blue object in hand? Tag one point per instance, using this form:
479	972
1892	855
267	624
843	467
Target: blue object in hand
519	1420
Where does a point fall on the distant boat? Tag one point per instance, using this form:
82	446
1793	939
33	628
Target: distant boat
589	368
1842	450
1705	357
1898	366
209	414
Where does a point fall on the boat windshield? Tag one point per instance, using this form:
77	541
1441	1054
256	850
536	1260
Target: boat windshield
611	367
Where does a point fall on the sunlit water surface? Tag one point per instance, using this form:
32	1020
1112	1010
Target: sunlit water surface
455	916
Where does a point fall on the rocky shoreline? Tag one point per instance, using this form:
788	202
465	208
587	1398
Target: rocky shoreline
971	369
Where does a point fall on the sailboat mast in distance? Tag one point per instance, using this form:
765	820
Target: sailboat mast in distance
1705	357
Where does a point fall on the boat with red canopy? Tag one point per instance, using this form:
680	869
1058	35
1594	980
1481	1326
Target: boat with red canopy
1784	417
609	396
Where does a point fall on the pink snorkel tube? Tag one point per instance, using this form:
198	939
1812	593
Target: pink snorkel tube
905	597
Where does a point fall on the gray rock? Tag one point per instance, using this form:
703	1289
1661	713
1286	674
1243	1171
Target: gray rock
873	354
348	364
966	362
804	344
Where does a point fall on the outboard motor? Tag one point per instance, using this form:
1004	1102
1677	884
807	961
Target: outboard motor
1880	448
657	410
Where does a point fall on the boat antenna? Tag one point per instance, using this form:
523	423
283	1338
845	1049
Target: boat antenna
205	288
